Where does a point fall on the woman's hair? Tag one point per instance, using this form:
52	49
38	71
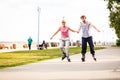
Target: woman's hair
63	21
83	16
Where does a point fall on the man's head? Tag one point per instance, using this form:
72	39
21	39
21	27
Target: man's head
83	18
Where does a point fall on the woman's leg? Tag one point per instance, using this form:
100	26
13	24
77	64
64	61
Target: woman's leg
62	43
67	43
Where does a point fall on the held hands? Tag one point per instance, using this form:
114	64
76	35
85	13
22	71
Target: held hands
77	31
57	32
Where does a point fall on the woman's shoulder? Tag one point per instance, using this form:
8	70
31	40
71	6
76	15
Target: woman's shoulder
66	26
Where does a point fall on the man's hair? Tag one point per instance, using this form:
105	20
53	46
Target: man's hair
83	16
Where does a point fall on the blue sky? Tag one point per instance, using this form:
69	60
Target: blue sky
19	19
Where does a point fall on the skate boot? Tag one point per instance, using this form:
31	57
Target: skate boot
83	59
68	59
94	58
64	56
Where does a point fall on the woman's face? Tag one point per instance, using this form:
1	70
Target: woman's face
63	23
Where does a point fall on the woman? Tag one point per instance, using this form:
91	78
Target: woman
64	41
86	37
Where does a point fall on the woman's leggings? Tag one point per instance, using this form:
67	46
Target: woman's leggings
65	42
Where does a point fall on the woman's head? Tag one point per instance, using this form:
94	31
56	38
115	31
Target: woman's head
83	18
63	22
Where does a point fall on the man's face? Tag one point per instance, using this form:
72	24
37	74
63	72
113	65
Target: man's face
83	19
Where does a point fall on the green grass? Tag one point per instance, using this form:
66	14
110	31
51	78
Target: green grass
115	46
10	59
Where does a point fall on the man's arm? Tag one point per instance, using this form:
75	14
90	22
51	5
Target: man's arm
94	27
79	29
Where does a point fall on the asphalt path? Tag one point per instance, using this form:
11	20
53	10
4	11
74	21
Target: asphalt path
107	67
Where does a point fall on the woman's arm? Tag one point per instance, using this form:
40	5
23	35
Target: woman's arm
72	30
54	34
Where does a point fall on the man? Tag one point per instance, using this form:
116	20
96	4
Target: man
29	42
86	37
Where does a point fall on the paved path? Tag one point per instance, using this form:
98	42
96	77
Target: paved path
107	67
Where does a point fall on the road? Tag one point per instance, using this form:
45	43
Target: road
107	67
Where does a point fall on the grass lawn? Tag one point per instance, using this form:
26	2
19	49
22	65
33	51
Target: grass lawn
10	59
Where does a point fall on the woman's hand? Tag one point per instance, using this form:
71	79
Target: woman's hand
51	38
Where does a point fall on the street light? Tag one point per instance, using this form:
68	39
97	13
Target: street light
39	10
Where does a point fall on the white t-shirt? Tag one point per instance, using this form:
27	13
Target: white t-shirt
85	29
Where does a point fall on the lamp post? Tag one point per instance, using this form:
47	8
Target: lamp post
39	10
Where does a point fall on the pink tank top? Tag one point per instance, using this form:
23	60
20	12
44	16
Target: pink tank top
64	31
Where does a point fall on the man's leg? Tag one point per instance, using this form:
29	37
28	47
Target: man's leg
90	42
29	46
84	47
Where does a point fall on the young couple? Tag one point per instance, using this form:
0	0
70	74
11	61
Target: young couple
86	37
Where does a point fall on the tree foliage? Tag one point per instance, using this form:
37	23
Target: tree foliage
114	8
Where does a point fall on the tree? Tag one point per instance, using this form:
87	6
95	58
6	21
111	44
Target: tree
114	8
